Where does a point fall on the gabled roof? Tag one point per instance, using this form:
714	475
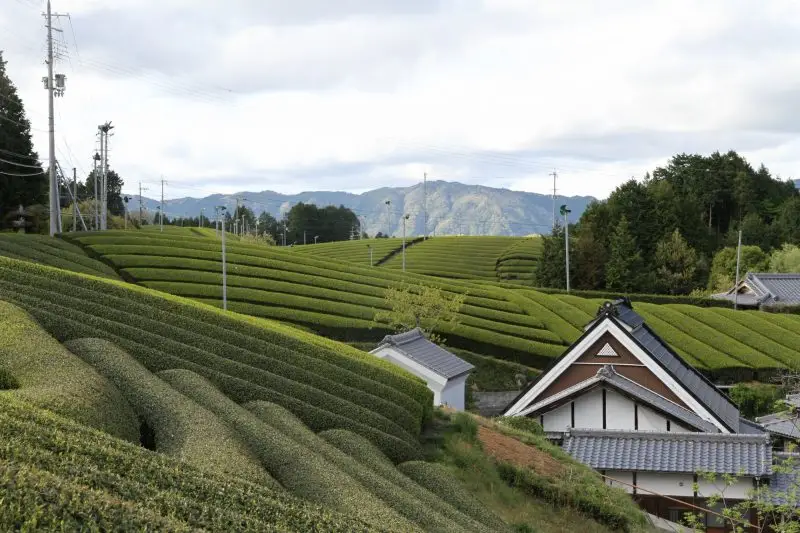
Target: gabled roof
607	375
766	289
416	347
650	451
783	424
621	313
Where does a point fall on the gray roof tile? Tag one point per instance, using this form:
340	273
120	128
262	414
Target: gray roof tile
709	395
768	289
414	345
671	452
784	483
784	424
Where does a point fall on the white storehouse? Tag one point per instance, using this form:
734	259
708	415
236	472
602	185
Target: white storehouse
445	374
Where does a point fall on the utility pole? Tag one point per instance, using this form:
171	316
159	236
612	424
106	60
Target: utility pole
74	199
304	237
55	87
141	205
404	241
161	213
200	222
284	233
566	212
738	259
425	204
104	129
224	266
96	158
555	176
125	206
389	214
370	255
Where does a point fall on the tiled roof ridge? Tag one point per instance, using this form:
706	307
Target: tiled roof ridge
405	337
780	275
666	435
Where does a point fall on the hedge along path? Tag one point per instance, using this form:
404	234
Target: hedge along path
367	457
430	513
182	428
696	353
299	468
749	337
52	378
54	317
745	355
199	317
437	479
767	324
226	366
67	452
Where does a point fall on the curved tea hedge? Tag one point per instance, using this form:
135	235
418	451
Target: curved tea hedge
48	375
518	262
327	386
298	467
181	428
52	252
58	475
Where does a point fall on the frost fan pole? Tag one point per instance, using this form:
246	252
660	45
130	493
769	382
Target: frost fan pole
565	212
224	267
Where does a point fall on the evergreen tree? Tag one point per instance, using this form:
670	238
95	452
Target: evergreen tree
676	264
625	261
22	179
551	267
114	183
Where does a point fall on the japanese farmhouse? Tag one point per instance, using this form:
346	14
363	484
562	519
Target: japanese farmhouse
764	290
621	401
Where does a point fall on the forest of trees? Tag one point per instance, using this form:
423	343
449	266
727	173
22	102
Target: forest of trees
676	230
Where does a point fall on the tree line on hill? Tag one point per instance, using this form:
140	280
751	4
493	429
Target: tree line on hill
676	231
300	225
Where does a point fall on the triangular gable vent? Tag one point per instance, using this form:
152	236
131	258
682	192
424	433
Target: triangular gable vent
607	351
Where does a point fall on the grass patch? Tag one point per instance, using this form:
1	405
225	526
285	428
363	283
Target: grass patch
181	428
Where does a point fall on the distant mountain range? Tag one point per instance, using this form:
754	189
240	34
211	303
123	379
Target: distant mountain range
797	183
453	208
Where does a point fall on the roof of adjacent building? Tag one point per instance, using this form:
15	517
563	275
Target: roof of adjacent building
695	383
607	374
766	289
785	480
415	346
646	451
783	424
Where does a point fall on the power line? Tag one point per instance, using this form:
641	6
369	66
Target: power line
19	164
17	175
11	120
9	152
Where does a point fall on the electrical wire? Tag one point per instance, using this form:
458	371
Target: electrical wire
17	175
15	154
21	124
19	164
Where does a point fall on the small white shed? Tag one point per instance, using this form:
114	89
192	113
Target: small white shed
445	374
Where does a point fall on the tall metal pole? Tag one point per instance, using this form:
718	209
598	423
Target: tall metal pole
161	214
738	259
404	241
96	207
425	204
200	221
224	269
555	175
141	207
54	203
74	199
566	242
370	257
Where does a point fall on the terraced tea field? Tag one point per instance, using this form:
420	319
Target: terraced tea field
517	263
124	408
334	298
473	258
355	251
52	252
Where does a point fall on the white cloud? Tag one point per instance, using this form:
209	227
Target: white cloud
361	94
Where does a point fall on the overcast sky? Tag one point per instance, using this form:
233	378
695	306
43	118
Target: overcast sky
294	95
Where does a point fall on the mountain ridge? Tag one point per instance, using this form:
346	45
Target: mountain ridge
453	208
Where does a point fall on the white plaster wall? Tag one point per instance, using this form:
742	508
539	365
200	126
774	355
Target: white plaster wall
589	410
558	419
626	477
619	411
649	420
739	490
666	484
453	394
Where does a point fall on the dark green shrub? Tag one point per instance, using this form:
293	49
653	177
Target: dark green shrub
466	425
7	380
755	399
522	423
